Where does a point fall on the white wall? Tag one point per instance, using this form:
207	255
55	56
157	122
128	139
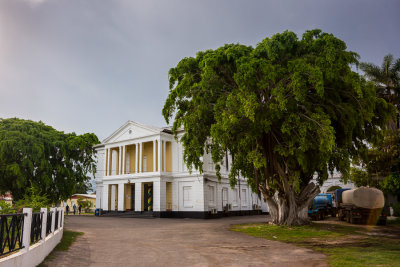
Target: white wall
194	187
100	163
332	181
36	254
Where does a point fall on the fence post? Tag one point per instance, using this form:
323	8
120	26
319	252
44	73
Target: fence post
53	219
59	217
62	215
44	223
26	237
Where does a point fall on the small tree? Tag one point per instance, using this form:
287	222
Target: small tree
84	203
34	199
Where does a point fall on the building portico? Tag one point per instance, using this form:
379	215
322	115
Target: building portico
141	169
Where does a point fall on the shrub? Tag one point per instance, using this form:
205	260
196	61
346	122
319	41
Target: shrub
33	199
6	208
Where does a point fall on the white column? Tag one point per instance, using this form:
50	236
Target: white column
99	195
44	223
138	197
119	160
159	195
159	154
123	160
113	196
108	161
154	155
140	156
105	162
165	156
137	158
26	238
104	204
121	197
114	161
53	219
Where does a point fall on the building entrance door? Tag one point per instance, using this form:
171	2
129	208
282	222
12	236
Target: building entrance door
148	197
133	197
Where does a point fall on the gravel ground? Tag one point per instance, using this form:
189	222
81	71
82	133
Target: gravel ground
113	241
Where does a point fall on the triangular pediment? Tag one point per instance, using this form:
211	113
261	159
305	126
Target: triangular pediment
131	130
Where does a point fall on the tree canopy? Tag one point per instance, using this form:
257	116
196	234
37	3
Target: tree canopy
33	154
380	165
285	110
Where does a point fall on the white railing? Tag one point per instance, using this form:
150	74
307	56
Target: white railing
34	254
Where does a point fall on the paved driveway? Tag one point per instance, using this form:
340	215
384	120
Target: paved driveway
110	241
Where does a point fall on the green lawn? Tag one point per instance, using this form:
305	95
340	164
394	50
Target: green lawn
68	238
344	245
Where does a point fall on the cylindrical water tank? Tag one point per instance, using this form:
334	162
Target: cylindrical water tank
321	201
364	197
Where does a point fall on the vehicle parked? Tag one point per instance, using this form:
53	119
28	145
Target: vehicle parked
361	205
321	207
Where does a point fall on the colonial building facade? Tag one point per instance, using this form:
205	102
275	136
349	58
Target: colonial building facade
141	169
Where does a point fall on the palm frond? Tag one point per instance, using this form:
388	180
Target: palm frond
373	72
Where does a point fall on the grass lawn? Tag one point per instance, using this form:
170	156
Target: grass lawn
344	245
68	238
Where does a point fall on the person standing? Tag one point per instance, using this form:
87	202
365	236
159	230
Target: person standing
79	209
74	209
67	209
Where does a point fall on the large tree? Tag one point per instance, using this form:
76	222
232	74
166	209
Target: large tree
33	154
285	110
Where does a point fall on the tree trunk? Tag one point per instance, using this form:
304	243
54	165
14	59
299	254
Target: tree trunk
291	208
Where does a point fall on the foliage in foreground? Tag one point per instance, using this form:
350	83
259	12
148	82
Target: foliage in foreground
34	154
284	110
333	240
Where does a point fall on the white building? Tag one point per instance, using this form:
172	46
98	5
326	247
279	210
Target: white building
334	180
141	168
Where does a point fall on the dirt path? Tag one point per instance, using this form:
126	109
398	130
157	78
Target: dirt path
112	241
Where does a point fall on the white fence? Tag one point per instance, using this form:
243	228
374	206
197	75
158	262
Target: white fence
34	254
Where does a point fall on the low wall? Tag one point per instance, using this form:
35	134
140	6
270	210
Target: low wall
32	255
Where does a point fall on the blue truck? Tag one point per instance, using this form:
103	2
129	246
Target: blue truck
322	206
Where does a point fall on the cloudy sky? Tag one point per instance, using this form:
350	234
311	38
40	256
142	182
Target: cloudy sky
90	65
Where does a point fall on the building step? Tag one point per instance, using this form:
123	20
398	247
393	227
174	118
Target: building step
129	214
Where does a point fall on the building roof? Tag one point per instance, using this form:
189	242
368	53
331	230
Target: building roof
151	128
7	196
84	195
